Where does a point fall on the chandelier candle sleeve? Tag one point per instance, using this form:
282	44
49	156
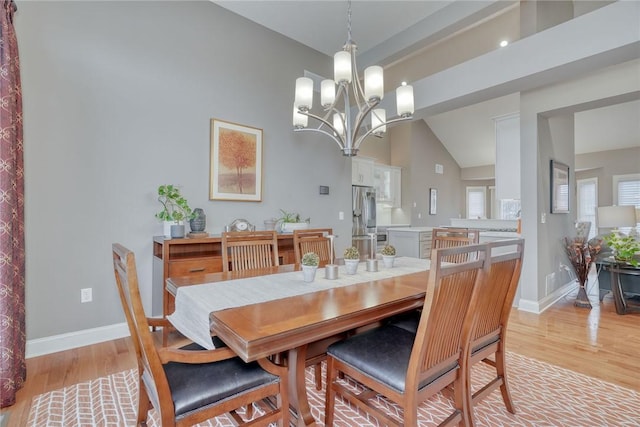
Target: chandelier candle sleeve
327	93
404	99
304	93
342	67
373	83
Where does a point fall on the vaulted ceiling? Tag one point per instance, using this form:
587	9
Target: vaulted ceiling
388	31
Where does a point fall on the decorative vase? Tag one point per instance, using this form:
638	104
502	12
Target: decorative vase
351	265
177	231
388	260
582	299
199	222
309	272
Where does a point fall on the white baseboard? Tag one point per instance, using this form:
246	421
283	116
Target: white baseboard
546	302
55	343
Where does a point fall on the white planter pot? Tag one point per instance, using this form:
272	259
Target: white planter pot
309	272
388	260
288	227
351	265
166	228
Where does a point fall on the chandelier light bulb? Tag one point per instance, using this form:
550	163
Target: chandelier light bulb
373	83
404	99
299	120
338	123
304	93
379	118
342	67
327	93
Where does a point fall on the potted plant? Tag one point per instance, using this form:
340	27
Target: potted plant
290	221
624	248
310	262
388	253
351	259
175	210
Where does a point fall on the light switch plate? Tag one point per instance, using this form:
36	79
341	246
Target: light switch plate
439	169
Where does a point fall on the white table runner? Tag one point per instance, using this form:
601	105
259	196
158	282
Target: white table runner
194	303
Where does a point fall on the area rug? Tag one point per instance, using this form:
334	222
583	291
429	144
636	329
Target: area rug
544	395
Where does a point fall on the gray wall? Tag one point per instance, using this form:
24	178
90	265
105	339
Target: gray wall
117	100
604	165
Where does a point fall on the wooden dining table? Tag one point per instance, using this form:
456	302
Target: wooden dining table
290	325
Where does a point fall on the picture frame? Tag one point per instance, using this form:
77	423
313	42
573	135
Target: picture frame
559	187
235	171
433	200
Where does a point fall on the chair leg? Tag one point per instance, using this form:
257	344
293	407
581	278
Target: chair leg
330	393
502	373
318	373
143	404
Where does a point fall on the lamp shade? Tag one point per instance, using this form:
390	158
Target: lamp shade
342	67
373	83
616	216
404	100
304	93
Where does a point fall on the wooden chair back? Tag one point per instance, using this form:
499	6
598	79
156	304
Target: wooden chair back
313	240
249	250
453	237
156	386
445	322
496	299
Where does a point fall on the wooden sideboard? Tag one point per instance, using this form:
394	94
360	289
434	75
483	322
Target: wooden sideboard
192	257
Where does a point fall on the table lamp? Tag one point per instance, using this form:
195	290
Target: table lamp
616	217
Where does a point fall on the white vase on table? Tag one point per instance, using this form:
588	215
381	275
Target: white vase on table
351	265
388	260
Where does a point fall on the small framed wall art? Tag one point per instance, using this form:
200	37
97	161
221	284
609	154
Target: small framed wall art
433	200
236	162
559	187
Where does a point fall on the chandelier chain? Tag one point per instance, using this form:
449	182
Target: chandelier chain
349	41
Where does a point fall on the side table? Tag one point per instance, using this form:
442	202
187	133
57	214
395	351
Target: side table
623	304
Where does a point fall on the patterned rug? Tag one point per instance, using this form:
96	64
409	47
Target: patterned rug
544	395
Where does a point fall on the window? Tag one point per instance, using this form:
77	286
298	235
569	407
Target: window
587	195
509	209
476	206
626	191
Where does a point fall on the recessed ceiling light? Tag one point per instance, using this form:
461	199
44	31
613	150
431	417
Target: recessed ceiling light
503	43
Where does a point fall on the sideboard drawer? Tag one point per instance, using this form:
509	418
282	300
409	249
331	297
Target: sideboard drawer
195	266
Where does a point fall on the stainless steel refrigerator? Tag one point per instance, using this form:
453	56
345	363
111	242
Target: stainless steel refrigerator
364	219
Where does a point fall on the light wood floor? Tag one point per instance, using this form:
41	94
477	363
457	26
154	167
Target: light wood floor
595	342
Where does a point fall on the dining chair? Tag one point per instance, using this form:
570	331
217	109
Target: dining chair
408	368
313	240
495	301
452	237
249	250
189	385
488	335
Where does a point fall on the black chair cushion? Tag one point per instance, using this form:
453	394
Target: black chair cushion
407	321
382	353
194	386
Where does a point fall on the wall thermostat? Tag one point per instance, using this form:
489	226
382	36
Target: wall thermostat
324	189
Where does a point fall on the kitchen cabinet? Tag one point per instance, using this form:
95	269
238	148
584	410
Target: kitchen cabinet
362	171
388	184
411	241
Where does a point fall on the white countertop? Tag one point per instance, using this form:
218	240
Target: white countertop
412	229
503	234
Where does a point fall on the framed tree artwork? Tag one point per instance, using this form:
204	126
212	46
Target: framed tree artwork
236	162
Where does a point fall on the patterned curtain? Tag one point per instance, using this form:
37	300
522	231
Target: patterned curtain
13	370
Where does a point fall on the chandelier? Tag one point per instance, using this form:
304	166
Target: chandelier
347	131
